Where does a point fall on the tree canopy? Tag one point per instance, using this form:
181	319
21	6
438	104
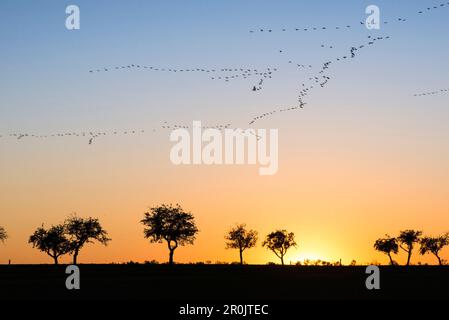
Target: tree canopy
434	245
52	241
241	238
387	245
171	224
279	242
82	231
407	240
3	234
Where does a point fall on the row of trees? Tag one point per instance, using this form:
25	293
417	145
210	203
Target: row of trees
172	225
175	227
278	241
165	223
407	240
68	237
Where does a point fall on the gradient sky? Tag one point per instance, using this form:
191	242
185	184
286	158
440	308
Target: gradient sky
364	158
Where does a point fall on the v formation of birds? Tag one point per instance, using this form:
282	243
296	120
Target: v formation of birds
226	74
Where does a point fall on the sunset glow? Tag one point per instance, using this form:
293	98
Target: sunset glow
363	158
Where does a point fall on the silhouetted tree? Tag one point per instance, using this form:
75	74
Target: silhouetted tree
52	241
407	239
279	242
387	245
242	239
3	234
82	231
434	245
171	224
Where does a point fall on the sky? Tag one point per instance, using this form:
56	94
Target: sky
365	157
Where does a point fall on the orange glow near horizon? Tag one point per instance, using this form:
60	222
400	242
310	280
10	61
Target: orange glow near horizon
335	208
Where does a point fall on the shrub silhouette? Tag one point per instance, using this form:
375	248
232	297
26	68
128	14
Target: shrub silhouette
82	231
407	239
242	239
3	234
279	242
52	241
387	245
171	224
434	245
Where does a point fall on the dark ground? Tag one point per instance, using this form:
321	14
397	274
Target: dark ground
221	283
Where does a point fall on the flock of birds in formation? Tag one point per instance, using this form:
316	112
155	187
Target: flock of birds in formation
343	27
224	74
431	93
319	80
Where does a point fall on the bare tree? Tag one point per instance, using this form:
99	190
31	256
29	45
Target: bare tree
407	240
434	245
387	245
279	242
52	241
171	224
3	234
82	231
240	238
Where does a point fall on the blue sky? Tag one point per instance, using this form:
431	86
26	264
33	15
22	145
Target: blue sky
46	84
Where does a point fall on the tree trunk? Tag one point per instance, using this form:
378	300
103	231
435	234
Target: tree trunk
241	257
170	261
391	260
75	256
282	260
55	258
439	260
409	256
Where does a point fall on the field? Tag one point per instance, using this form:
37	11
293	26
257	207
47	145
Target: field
221	283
